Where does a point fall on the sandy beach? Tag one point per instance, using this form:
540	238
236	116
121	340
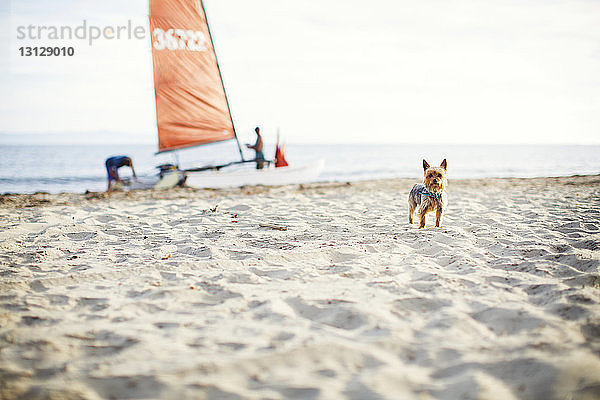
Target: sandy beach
321	291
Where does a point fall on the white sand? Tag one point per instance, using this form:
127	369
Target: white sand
155	295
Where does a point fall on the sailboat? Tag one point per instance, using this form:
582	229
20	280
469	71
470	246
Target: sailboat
192	108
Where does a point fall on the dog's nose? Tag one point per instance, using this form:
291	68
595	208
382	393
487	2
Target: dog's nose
435	181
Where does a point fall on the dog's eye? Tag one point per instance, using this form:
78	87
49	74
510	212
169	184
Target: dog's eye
429	176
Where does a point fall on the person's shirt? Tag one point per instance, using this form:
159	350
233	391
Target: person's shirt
117	161
258	146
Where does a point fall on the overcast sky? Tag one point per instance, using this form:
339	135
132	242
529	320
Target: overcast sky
330	71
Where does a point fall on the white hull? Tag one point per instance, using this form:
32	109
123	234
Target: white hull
249	177
167	181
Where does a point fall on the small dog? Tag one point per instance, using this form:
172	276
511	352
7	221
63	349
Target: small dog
430	195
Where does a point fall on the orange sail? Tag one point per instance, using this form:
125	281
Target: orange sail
191	106
280	160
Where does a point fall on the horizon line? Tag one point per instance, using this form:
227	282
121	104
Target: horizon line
66	139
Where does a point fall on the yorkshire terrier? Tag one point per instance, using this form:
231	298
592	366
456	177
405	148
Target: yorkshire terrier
429	195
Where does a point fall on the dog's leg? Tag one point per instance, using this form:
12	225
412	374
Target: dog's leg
425	207
411	210
438	216
422	213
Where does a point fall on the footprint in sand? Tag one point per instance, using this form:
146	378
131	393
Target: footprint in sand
79	236
336	315
506	321
420	304
34	320
93	304
127	387
590	244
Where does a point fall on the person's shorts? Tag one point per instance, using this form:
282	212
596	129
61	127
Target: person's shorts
260	160
108	175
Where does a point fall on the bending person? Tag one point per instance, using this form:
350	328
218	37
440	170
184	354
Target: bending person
112	169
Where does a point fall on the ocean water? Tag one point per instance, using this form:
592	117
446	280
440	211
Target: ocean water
77	168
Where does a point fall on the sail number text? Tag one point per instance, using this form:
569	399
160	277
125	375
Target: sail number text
179	39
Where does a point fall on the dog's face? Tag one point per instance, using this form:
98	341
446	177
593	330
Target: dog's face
435	177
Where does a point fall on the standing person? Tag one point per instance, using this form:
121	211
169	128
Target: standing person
258	148
112	166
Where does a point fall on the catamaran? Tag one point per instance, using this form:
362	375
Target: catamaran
192	108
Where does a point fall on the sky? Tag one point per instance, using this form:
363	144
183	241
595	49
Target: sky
328	71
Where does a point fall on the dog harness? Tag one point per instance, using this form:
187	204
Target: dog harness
427	193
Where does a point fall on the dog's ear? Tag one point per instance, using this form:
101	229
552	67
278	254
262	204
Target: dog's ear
444	164
425	165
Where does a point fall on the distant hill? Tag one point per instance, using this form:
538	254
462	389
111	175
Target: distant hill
37	138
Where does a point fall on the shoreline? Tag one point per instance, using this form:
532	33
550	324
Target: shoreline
65	198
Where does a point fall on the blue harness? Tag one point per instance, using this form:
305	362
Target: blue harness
427	193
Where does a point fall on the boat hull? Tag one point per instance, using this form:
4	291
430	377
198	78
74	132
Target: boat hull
250	177
156	182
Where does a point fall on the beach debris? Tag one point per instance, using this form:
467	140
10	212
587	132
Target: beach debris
276	227
211	210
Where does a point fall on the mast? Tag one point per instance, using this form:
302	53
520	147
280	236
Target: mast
223	84
155	108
